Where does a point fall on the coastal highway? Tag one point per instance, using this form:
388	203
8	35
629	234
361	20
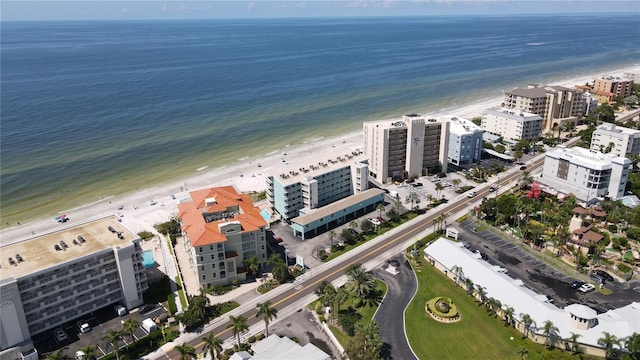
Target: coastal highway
403	234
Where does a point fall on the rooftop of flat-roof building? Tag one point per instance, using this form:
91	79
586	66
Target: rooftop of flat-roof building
518	115
38	253
538	91
462	126
334	207
586	157
401	122
617	129
316	163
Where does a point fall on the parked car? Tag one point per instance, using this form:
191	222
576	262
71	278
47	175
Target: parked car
577	284
416	185
60	334
145	309
586	288
375	222
605	275
120	310
83	326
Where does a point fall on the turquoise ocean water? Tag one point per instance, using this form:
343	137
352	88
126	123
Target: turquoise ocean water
91	109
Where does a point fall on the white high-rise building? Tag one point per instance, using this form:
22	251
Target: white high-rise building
465	141
587	174
512	124
616	140
410	146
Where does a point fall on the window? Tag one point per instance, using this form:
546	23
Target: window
204	276
200	248
213	266
201	258
213	256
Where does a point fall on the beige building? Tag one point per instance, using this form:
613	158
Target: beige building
221	229
512	124
613	87
412	145
616	140
555	104
65	275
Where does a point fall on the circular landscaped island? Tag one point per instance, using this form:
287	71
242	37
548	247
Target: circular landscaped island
442	309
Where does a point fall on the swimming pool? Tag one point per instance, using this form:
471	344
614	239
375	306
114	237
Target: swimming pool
147	259
265	215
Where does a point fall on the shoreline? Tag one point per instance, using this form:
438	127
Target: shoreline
245	174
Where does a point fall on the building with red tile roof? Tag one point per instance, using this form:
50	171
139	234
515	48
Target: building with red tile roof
221	229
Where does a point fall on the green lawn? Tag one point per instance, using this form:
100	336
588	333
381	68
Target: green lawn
365	311
477	335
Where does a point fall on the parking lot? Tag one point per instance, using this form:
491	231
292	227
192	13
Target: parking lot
100	321
539	276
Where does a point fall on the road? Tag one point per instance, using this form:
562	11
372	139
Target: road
401	288
290	294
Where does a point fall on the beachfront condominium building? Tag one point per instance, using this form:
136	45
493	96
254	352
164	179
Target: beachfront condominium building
587	174
555	104
613	87
221	228
65	275
511	124
465	141
317	180
410	146
616	140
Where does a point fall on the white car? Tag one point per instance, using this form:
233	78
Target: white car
375	222
83	326
472	194
586	288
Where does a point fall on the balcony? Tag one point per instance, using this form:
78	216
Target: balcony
230	254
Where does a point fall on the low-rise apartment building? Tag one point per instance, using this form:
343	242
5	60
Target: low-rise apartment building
511	124
55	278
221	228
587	174
555	104
465	141
318	180
410	146
613	87
616	140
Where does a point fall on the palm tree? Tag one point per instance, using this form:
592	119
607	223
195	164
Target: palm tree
439	188
59	355
508	314
380	209
213	345
457	270
239	325
129	327
549	331
280	270
268	313
89	351
252	263
468	283
186	351
527	322
112	338
360	282
332	235
456	183
574	342
523	352
608	340
440	221
482	293
412	198
430	198
526	180
341	296
398	205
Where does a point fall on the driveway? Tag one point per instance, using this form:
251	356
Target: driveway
390	316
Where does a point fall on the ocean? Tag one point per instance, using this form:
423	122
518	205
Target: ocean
101	108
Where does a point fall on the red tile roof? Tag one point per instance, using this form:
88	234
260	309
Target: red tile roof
226	197
584	235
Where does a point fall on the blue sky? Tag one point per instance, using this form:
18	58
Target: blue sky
175	9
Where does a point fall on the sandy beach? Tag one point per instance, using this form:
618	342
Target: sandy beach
141	209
